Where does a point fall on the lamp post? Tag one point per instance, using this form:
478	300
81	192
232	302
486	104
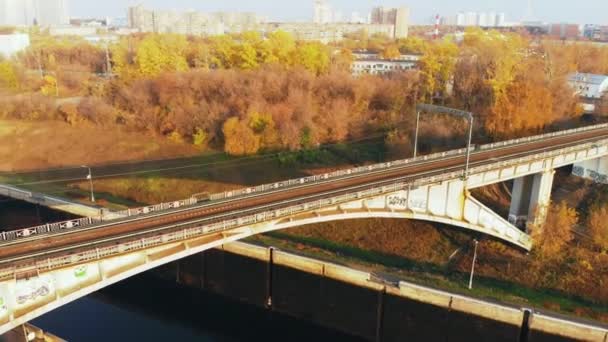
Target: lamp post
428	108
90	178
473	265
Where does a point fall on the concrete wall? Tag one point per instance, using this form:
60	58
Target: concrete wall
364	305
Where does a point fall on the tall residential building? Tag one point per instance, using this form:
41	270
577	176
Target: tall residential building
398	17
322	12
32	12
481	19
191	22
53	12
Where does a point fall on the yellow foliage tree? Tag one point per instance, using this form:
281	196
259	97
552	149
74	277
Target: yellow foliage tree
437	68
158	53
598	226
50	86
221	51
391	52
263	125
244	56
239	138
556	232
8	76
282	44
312	56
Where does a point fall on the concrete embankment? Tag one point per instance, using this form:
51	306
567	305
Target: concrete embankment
366	305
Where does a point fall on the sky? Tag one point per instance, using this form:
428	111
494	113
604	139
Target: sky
554	11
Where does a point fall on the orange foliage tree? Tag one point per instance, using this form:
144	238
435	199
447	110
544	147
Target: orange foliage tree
554	235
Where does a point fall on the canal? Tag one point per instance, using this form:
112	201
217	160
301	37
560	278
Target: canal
148	308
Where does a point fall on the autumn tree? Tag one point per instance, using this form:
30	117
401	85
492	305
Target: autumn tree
50	86
313	57
158	53
551	238
282	45
437	68
239	138
597	222
390	52
8	76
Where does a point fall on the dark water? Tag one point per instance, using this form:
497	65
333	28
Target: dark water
146	308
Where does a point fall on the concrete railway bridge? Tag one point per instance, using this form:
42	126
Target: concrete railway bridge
45	267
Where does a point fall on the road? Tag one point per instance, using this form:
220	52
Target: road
217	211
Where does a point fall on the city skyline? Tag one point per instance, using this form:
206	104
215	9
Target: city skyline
590	12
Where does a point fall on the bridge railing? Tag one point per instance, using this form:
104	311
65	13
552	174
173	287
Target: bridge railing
88	221
16	193
541	137
81	223
184	231
332	175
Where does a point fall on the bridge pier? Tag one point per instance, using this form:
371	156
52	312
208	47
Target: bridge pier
593	169
529	199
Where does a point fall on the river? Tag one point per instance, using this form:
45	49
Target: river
146	308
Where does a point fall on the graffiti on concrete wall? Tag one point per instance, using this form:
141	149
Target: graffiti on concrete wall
578	171
598	177
80	271
31	290
397	202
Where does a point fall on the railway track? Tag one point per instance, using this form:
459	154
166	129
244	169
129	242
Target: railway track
215	211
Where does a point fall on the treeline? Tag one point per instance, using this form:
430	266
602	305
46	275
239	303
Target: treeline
279	93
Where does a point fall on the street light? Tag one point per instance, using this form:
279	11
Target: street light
445	110
90	178
473	265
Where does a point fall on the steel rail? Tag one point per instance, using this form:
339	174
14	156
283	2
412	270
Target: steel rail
276	205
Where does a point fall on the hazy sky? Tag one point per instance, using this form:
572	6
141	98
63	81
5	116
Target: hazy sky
586	11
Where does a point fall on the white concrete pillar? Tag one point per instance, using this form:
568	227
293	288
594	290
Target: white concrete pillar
530	198
520	200
594	169
540	197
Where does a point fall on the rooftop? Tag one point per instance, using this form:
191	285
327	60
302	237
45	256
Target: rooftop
588	78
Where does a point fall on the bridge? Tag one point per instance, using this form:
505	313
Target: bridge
45	267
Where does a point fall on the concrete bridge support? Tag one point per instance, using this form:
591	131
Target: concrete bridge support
530	198
593	169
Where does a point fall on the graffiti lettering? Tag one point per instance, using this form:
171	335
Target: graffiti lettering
578	171
397	201
418	204
35	293
80	271
598	177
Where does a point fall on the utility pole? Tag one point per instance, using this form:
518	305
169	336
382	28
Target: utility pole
473	266
90	178
108	64
444	110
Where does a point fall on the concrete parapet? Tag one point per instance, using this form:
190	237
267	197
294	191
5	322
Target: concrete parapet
250	251
298	262
487	310
350	276
541	324
422	294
